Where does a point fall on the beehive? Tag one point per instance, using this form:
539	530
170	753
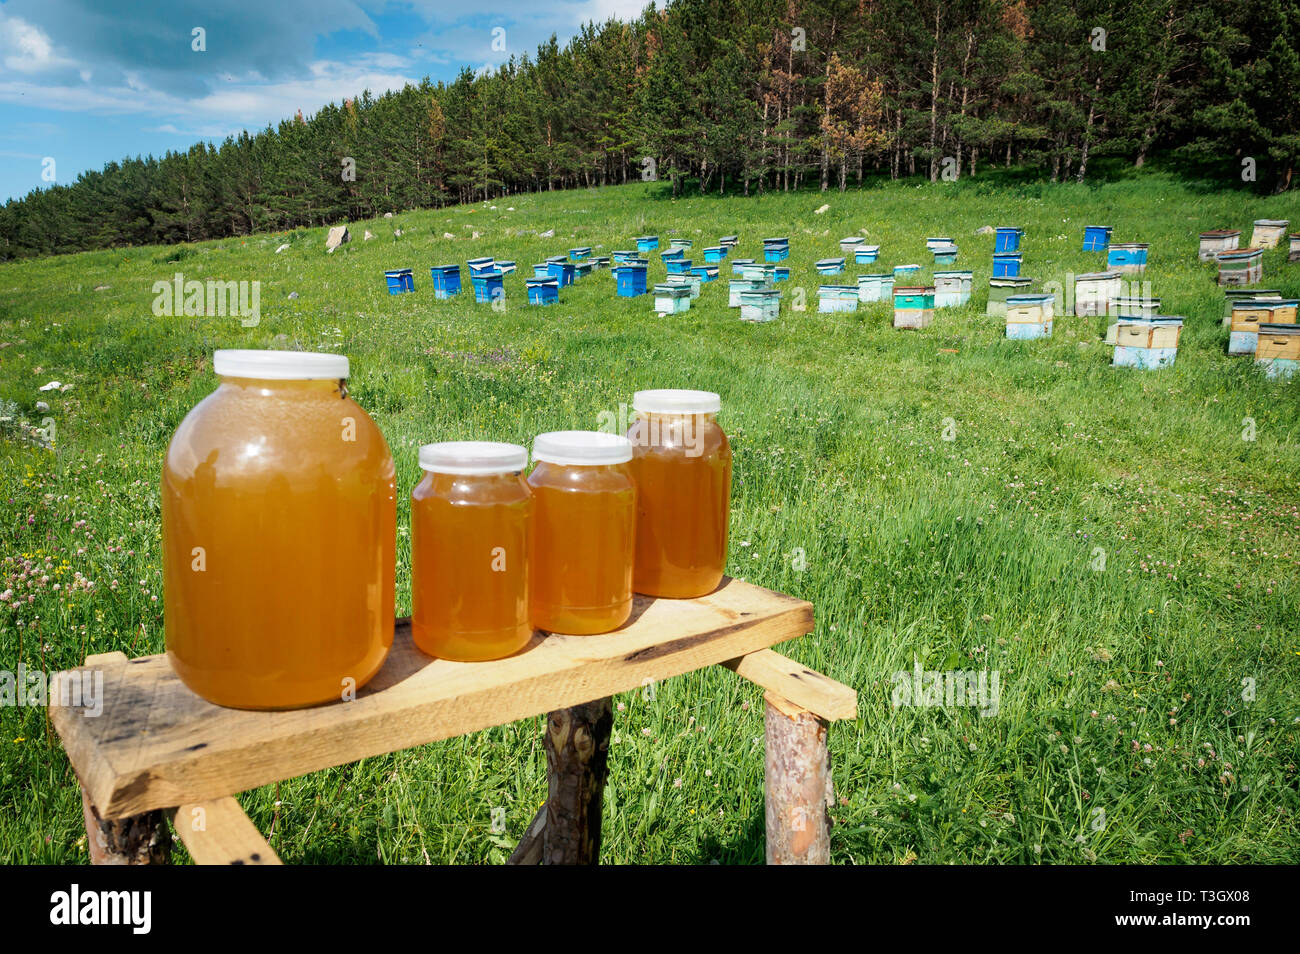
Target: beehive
850	244
780	273
505	268
489	285
672	254
1231	295
905	271
837	298
738	285
866	254
629	279
485	264
761	272
1147	343
937	241
1277	351
945	254
1006	264
830	266
686	280
738	265
578	254
1128	257
582	270
446	280
679	244
1219	240
715	253
952	289
1293	252
1007	239
1030	316
1130	307
706	272
1094	292
621	256
875	287
678	266
1000	289
562	272
762	304
913	306
1243	266
542	270
671	299
399	281
776	249
729	241
542	291
1096	238
646	243
1268	232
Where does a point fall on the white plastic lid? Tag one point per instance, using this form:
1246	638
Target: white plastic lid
582	448
280	365
474	458
677	401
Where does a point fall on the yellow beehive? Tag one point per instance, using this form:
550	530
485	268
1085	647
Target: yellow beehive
1246	315
1277	345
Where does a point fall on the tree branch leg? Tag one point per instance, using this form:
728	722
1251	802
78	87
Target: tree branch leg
577	751
798	788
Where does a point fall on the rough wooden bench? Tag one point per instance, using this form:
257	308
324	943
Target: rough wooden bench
159	751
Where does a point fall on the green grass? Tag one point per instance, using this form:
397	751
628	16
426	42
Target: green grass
1122	688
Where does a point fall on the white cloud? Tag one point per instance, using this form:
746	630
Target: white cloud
25	48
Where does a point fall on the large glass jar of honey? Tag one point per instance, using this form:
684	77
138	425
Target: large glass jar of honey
279	535
469	551
584	516
682	467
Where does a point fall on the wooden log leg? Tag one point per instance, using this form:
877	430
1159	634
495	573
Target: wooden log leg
138	840
798	785
577	752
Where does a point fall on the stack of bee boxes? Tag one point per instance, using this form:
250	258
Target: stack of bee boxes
672	298
1248	314
1030	316
1129	257
738	285
1243	266
952	289
1147	343
913	306
762	304
1220	240
686	280
1278	350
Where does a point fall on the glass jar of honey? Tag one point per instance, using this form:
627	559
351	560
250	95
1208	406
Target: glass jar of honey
584	515
681	464
279	532
469	551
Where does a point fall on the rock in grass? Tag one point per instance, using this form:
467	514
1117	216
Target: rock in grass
985	230
549	233
821	210
41	407
103	287
338	236
368	236
448	235
284	246
388	215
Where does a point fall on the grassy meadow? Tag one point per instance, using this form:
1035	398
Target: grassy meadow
1108	540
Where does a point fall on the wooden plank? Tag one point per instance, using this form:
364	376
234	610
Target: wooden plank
156	744
808	689
218	832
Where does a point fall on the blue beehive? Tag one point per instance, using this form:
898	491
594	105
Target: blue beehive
829	266
542	270
678	266
738	265
488	286
542	291
780	273
707	273
1007	240
630	279
1129	258
776	249
647	243
562	271
1006	264
622	255
399	280
715	254
446	280
480	265
670	254
866	254
578	254
837	298
505	268
679	244
1096	238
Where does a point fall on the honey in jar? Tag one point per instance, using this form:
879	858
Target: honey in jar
469	551
584	515
681	464
279	534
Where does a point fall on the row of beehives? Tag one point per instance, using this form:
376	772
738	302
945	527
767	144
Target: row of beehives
1263	324
1245	266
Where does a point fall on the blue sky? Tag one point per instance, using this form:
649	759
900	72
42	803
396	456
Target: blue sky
83	83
